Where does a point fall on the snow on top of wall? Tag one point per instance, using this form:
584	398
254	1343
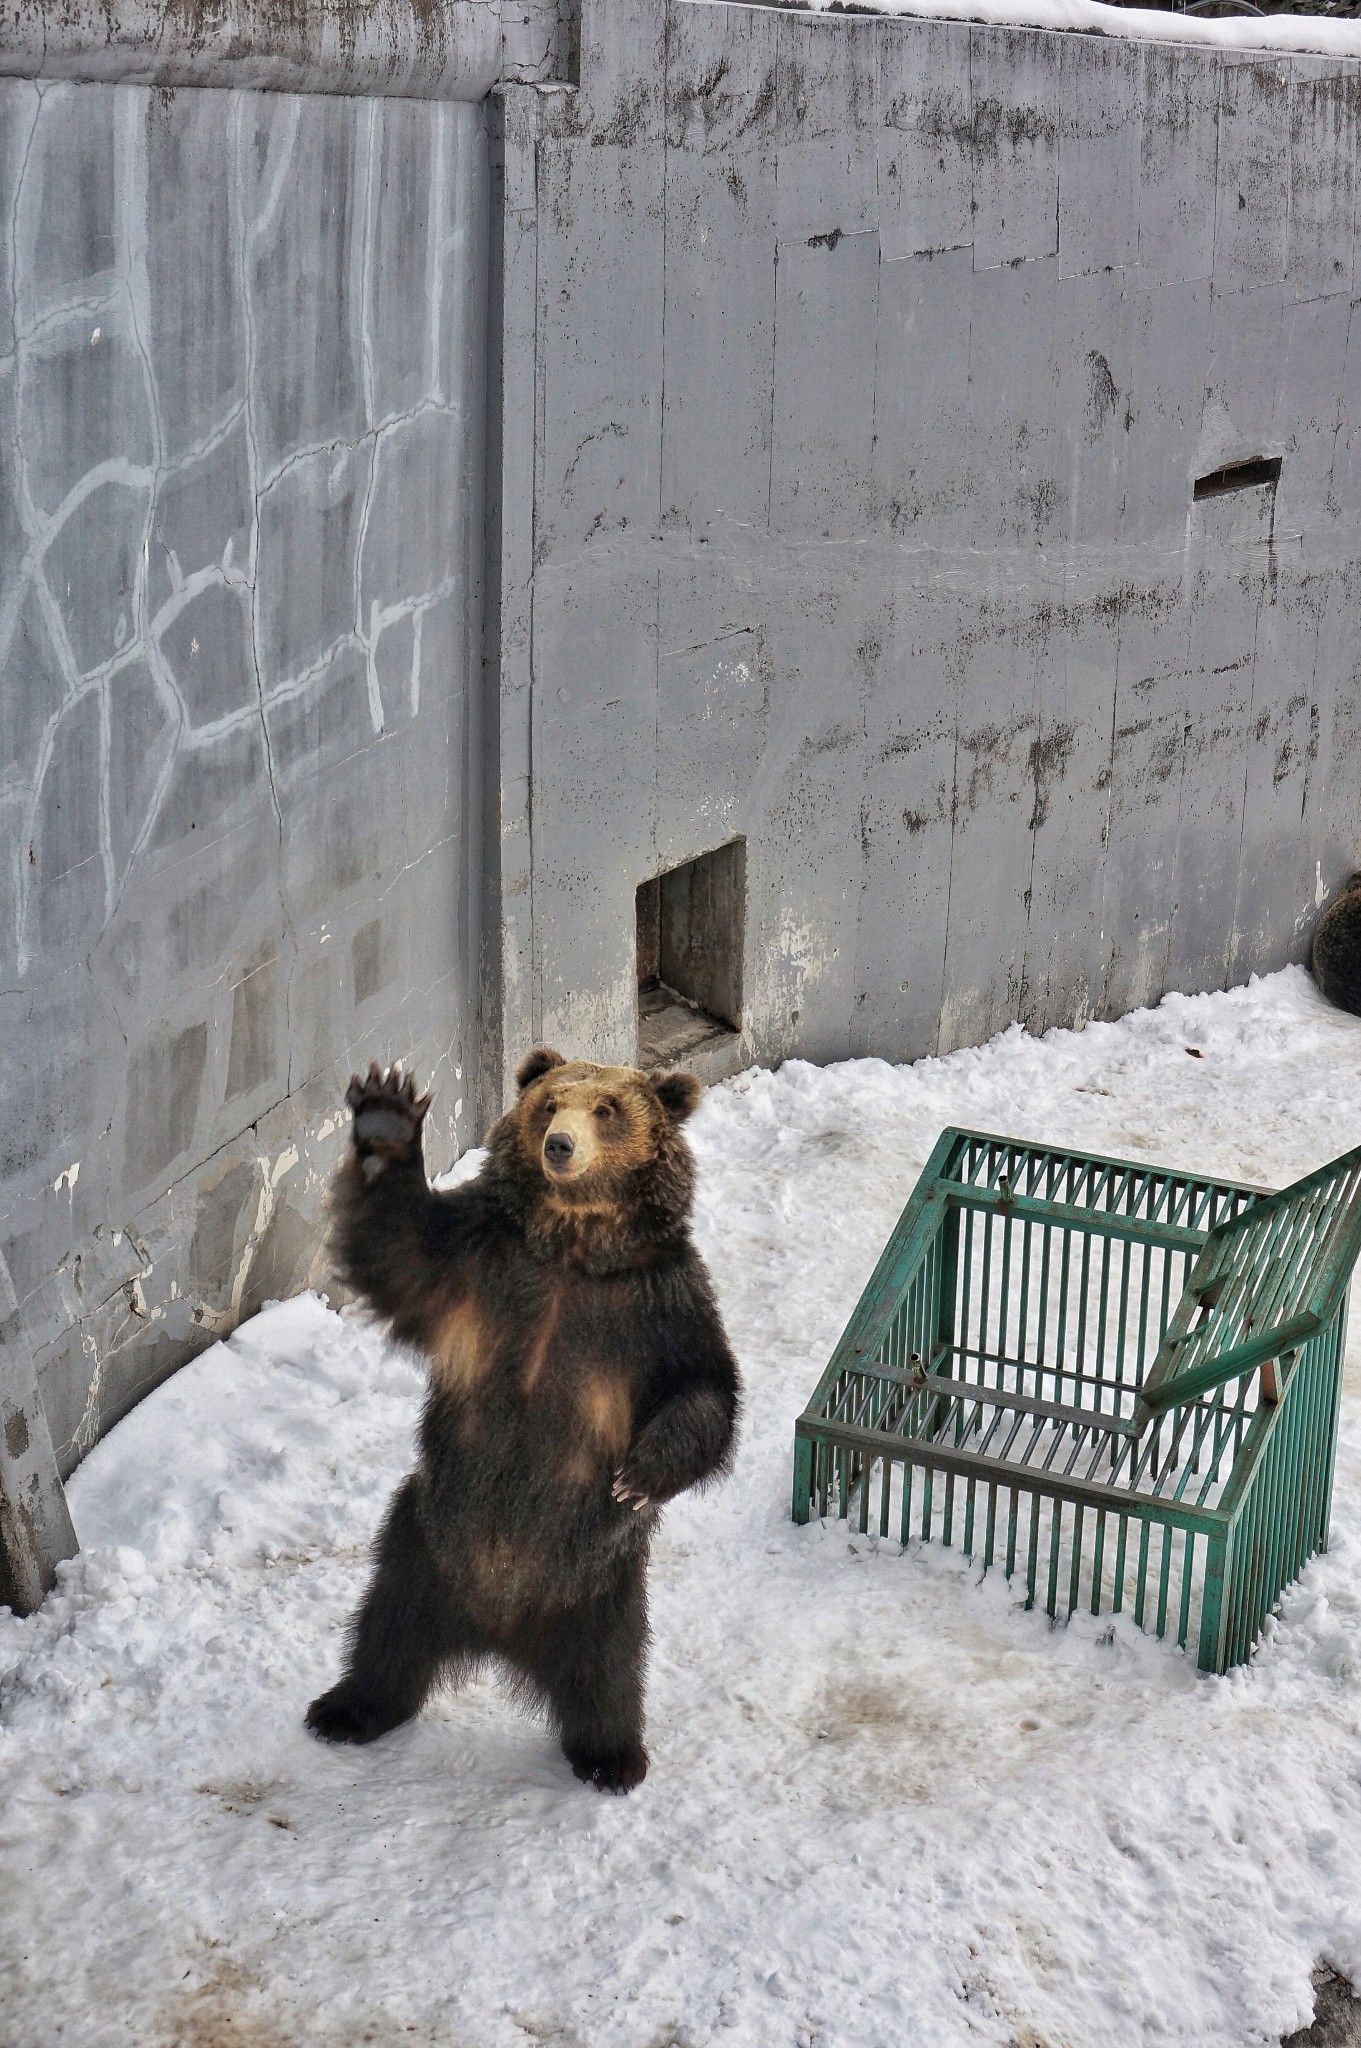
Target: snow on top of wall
1312	34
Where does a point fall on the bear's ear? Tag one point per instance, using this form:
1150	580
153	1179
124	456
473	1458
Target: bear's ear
678	1094
541	1061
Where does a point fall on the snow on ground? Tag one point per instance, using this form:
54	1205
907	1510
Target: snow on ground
887	1805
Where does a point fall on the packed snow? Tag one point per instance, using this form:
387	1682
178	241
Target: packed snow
887	1805
1322	35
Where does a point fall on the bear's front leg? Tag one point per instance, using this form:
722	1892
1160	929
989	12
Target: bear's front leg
406	1632
382	1206
686	1442
589	1664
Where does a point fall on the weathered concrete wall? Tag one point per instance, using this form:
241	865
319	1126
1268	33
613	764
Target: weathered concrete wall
241	435
855	379
414	49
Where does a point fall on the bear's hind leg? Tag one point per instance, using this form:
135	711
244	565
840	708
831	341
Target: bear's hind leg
407	1630
590	1667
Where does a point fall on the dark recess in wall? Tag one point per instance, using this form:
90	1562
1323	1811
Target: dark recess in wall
1238	476
690	927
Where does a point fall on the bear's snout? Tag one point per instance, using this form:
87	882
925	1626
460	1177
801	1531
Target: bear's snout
570	1147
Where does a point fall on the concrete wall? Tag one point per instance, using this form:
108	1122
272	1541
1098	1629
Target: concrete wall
451	50
241	436
856	375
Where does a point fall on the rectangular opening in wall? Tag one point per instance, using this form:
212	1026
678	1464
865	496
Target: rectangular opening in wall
1239	476
691	924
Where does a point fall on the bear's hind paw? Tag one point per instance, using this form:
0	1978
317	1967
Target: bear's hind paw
613	1771
343	1715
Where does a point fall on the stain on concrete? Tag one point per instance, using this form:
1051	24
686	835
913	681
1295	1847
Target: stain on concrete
164	1080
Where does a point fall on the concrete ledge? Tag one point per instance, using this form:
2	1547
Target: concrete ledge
408	49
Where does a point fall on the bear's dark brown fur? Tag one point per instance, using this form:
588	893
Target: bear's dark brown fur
579	1378
1337	948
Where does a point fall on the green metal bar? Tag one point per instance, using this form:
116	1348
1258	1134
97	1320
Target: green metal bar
1083	1302
1179	1387
1122	1314
1075	1574
1072	1216
1164	1306
1061	1333
985	1283
947	1251
1187	1564
1103	1305
1055	1539
982	1396
1118	1600
1336	1257
1213	1617
1144	1285
1023	1312
1334	1378
1162	1580
965	1462
1014	1363
803	1478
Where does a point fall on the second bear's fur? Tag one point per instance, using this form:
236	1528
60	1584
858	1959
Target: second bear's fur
580	1378
1337	948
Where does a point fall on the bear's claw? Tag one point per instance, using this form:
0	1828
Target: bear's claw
388	1114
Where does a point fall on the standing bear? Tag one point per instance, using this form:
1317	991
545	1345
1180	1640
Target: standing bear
1336	957
580	1378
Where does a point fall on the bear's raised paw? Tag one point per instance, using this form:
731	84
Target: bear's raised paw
388	1113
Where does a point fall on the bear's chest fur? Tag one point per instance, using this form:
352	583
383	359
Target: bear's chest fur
537	1374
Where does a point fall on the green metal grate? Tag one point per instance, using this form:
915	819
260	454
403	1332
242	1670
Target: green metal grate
1120	1380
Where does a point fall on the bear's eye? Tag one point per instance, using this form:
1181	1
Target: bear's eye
604	1110
549	1108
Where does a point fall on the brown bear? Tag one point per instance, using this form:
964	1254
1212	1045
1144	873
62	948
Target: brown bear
580	1377
1337	948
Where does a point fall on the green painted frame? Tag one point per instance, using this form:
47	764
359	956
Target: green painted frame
1224	1440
